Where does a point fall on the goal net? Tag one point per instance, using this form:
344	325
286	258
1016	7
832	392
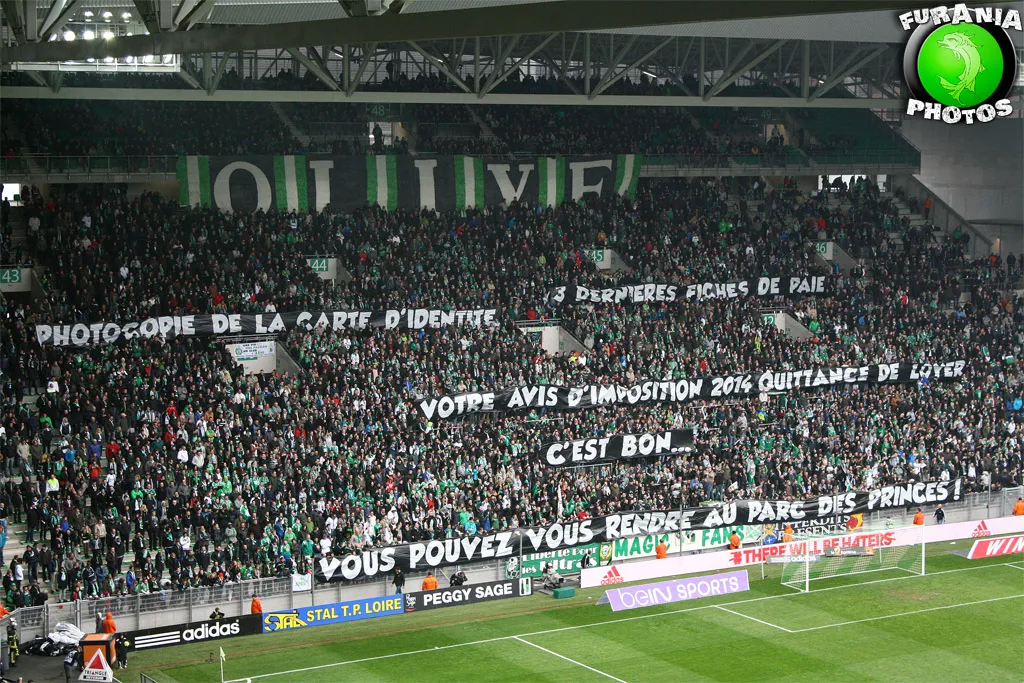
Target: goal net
824	558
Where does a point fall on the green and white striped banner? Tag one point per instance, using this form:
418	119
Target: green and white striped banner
292	194
627	173
551	181
382	181
469	182
194	181
299	183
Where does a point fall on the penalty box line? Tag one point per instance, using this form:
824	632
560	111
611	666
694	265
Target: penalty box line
904	614
747	616
393	655
571	661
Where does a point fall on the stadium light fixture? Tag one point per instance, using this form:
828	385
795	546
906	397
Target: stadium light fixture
126	15
107	14
108	60
88	35
88	14
167	59
91	60
107	35
69	35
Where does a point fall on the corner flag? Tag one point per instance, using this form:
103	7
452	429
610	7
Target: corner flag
223	658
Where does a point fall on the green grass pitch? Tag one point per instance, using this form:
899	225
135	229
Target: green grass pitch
961	622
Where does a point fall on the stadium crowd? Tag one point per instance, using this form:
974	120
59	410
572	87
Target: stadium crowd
165	450
141	128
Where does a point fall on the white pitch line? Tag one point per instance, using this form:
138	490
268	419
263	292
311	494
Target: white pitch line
906	614
1015	566
370	659
610	621
747	616
571	661
749	600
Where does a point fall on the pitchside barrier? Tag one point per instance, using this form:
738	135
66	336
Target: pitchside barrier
195	632
134	612
997	547
333	613
628	572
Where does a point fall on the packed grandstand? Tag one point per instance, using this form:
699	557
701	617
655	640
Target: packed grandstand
156	462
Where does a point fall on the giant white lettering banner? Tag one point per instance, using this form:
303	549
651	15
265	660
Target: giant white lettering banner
530	397
81	334
729	559
516	542
605	449
666	292
445	183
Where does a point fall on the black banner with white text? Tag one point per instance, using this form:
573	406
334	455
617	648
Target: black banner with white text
469	594
195	632
665	292
81	334
540	396
598	451
426	555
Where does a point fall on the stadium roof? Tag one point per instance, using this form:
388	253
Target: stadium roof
346	44
251	24
868	26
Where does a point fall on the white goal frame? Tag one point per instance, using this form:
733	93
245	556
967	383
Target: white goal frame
808	552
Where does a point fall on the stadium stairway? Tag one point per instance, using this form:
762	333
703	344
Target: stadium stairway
19	227
784	319
916	220
24	151
16	545
296	132
485	131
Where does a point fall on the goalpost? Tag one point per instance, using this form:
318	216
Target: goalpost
814	559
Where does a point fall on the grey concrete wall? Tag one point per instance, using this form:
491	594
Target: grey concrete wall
978	170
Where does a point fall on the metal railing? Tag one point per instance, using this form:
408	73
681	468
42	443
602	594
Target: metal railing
893	156
338	129
448	130
133	612
49	164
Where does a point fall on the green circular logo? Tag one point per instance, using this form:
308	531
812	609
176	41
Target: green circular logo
960	65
